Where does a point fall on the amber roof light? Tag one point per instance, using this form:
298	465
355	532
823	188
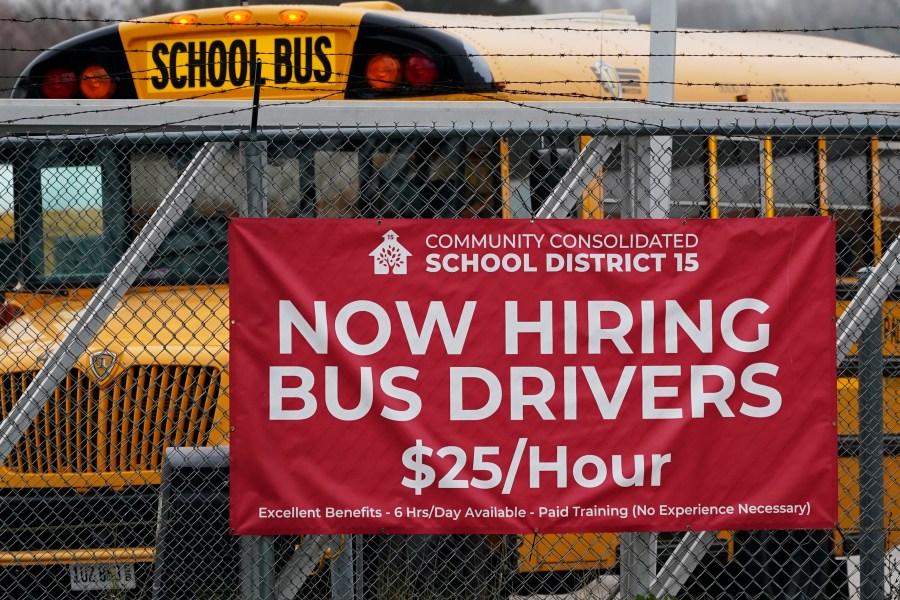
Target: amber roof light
183	21
238	17
292	16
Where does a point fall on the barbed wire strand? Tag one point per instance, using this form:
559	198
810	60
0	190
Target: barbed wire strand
399	16
509	88
714	55
341	78
743	109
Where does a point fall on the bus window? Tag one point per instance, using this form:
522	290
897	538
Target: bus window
688	191
548	165
72	221
195	250
889	154
854	240
794	177
6	202
443	179
687	185
617	184
7	232
391	179
849	204
739	177
285	190
155	170
481	198
336	183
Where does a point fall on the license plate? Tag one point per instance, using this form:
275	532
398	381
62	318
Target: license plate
85	577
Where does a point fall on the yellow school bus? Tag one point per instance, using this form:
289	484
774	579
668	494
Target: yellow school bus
157	374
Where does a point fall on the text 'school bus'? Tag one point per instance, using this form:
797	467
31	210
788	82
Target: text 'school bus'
149	382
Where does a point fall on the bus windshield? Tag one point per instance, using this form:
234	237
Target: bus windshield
86	204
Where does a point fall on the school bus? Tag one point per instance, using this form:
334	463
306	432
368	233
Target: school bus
157	374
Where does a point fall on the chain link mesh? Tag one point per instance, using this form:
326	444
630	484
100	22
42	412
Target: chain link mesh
99	499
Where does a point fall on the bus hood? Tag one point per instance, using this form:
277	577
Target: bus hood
170	325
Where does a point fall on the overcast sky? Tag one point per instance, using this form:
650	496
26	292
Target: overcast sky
116	8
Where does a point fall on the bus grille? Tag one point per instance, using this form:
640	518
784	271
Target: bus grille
121	426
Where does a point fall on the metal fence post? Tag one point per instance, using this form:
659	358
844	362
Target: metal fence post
637	557
342	571
654	181
257	552
257	564
871	461
637	564
255	157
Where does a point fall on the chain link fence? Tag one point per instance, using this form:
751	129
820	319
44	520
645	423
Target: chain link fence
114	354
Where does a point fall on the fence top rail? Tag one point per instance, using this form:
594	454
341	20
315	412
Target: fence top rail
611	118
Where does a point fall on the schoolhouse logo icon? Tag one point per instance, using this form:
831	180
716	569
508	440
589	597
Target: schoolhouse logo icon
390	256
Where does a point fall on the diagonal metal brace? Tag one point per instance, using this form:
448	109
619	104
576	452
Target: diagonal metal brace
302	563
682	562
568	191
869	299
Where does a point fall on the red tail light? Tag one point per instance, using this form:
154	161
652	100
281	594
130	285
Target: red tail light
59	84
8	312
420	71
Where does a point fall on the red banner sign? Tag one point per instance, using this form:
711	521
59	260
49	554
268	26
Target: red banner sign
478	376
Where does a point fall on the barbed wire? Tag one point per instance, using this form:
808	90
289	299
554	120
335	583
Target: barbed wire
102	110
507	90
743	109
149	74
187	65
829	56
542	27
525	91
510	89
